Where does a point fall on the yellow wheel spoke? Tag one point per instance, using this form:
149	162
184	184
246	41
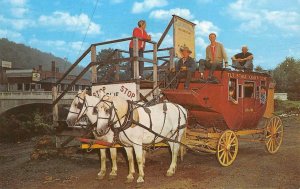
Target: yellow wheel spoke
221	150
231	157
222	155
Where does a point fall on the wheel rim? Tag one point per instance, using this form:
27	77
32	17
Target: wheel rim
227	148
274	134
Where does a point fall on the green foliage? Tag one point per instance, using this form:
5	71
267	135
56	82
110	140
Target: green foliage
287	78
26	57
107	72
286	107
258	69
16	127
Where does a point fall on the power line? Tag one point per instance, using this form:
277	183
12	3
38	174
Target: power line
95	7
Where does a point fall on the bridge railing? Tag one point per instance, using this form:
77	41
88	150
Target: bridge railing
24	95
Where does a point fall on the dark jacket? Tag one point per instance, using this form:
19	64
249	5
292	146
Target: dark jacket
189	63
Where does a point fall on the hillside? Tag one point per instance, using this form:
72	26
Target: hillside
26	57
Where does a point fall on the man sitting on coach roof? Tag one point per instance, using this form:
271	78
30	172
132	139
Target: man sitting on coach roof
243	60
215	55
186	65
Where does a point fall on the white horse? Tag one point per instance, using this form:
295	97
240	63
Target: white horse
84	104
166	119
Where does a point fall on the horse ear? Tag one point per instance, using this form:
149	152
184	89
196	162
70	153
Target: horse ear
95	111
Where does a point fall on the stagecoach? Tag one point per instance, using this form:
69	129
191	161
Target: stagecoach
221	112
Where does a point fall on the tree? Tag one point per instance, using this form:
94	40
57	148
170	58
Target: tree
258	69
287	79
106	72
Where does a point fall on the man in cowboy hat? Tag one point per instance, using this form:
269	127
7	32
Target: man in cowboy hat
186	65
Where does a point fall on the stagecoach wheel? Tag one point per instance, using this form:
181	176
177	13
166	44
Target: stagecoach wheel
274	134
227	148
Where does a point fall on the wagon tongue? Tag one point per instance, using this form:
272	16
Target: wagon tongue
182	97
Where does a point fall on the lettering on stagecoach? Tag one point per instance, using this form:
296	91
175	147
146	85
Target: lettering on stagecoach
124	90
246	76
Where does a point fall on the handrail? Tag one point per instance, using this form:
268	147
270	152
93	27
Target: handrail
96	63
73	66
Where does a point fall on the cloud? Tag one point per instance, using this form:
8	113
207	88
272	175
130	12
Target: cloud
11	35
167	42
17	23
147	5
78	23
59	46
17	2
18	11
256	17
204	28
116	1
167	14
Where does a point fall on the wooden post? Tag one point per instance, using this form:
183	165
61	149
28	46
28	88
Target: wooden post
172	63
94	68
155	69
136	73
55	114
117	66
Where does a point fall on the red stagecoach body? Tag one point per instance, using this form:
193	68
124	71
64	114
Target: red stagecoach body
210	105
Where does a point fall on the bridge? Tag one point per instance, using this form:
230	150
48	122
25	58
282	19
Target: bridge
9	100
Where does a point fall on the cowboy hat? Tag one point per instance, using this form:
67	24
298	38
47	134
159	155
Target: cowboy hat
185	48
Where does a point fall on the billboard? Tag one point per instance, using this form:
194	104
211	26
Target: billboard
184	35
5	64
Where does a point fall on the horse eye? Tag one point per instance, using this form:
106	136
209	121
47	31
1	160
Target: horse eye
106	111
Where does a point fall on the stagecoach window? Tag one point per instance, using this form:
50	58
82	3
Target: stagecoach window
249	89
232	90
240	91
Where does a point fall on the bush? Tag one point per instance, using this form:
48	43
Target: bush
286	107
22	126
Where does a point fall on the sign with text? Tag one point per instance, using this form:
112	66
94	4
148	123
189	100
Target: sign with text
123	90
5	64
184	35
36	76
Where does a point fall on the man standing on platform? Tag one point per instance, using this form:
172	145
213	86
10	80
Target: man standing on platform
141	33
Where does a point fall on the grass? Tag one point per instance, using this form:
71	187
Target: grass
287	107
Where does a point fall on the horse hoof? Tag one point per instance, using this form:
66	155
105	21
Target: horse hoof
112	177
129	181
139	185
100	177
169	174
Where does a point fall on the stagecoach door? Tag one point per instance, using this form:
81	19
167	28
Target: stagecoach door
249	112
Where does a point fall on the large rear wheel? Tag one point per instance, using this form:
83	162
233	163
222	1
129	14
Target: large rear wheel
273	134
227	148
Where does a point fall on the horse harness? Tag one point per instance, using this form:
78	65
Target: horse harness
129	121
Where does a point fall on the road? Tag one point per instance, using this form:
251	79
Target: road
253	168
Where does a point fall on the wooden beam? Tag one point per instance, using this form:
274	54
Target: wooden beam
94	68
73	66
165	32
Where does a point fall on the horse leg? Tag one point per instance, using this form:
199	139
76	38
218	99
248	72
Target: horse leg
139	158
144	157
129	153
113	155
102	172
174	149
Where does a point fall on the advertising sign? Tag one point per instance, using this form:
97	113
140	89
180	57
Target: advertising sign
184	35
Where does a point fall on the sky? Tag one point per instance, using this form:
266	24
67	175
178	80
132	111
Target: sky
66	28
